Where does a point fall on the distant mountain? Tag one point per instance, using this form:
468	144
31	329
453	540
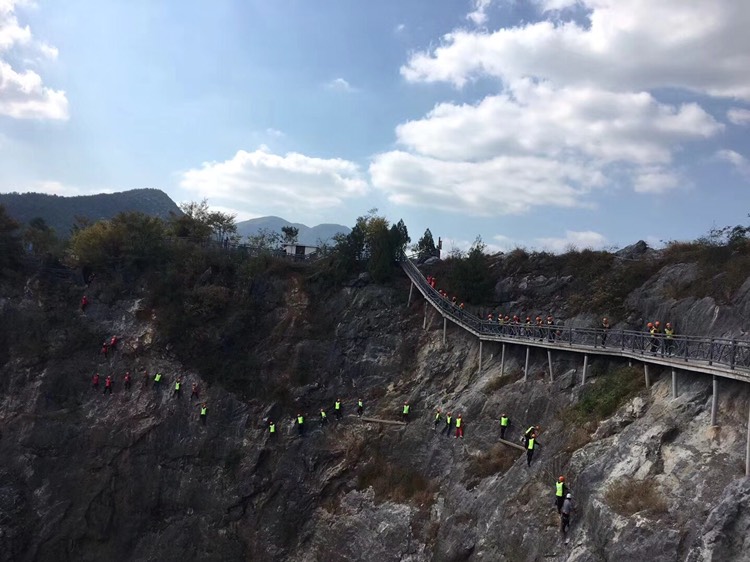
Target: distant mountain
59	212
308	236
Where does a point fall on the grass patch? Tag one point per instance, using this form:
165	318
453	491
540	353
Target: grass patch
628	496
397	483
497	383
499	458
605	395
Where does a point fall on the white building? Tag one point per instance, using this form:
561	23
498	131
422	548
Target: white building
299	251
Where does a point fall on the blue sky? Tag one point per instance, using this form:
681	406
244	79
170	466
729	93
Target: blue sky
541	123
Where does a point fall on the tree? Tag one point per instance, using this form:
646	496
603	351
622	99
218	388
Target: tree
425	247
40	237
265	241
10	243
470	276
222	224
289	234
399	240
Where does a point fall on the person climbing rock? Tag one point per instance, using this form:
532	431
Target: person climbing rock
177	386
157	380
605	331
459	427
95	381
146	378
565	512
405	412
504	423
113	342
323	417
560	491
204	413
448	424
84	303
438	417
530	446
337	408
300	424
271	428
528	432
108	385
194	391
127	380
105	349
360	408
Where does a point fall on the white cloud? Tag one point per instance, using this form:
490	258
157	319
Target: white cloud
580	240
739	116
479	14
264	181
275	133
655	180
52	187
340	85
627	44
22	92
740	163
400	28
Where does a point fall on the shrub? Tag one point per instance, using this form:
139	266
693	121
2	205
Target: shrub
605	395
628	496
499	458
395	482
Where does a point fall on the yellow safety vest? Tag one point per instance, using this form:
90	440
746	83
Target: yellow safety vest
203	411
531	443
157	378
272	428
323	415
458	422
406	408
359	403
504	421
559	489
669	332
177	386
437	416
337	406
300	420
448	420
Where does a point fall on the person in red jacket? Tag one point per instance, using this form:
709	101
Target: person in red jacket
194	392
108	385
95	381
105	349
84	303
113	342
127	380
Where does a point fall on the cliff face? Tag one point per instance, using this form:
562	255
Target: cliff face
137	476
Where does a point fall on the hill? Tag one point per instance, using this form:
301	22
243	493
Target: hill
307	235
60	212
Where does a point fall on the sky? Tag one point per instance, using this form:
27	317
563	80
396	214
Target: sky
546	124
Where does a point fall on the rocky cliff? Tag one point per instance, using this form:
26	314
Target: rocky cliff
135	475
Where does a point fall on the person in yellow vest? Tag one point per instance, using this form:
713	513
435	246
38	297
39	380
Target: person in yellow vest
438	417
360	408
157	380
459	427
669	338
177	385
504	423
560	491
605	331
405	412
300	424
271	428
323	417
654	330
337	408
204	413
448	424
530	446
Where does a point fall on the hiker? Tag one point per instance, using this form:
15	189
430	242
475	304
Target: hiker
447	428
105	349
271	428
146	378
653	330
194	391
157	380
528	432
113	342
300	424
323	417
405	412
337	409
360	408
95	381
177	386
605	331
437	419
669	334
108	385
127	380
84	303
459	427
504	423
560	491
565	512
530	446
204	412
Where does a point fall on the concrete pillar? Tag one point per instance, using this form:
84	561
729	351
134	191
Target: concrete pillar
715	401
445	327
549	360
411	290
674	383
646	374
502	362
526	367
585	366
424	322
480	357
747	448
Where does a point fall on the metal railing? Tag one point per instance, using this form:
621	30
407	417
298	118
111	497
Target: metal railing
731	353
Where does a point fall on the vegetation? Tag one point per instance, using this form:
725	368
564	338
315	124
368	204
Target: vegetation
628	496
10	243
605	395
425	247
498	459
394	481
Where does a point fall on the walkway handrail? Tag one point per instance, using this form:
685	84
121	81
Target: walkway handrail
731	353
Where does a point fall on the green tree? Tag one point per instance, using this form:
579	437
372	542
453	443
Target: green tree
289	234
223	225
399	240
10	242
425	247
193	224
471	276
40	237
264	241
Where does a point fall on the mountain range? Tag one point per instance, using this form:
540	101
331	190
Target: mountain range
308	236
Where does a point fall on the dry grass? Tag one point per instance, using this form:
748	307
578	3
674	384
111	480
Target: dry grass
628	496
499	458
395	482
499	382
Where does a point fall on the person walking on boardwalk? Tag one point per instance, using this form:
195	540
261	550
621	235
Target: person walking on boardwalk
560	491
459	427
300	424
337	408
108	385
448	424
504	423
530	446
668	338
653	330
605	331
360	408
204	413
438	417
405	412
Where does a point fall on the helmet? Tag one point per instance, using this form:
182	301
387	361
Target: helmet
528	318
538	317
669	325
657	323
604	319
650	325
561	479
569	496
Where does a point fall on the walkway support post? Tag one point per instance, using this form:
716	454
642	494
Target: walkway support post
526	367
715	400
480	357
747	449
549	360
445	327
424	322
585	366
674	383
411	290
646	374
502	362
